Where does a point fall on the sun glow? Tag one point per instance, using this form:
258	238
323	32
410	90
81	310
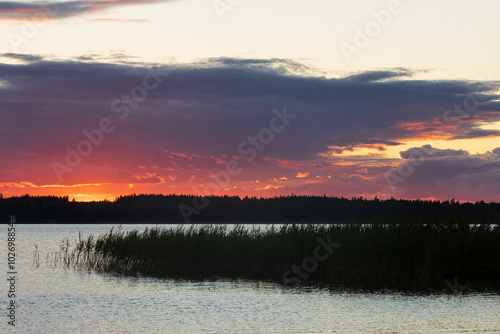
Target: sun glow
473	146
91	197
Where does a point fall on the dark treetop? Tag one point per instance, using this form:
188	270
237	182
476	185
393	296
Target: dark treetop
233	209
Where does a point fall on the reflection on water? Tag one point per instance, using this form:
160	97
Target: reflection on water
54	300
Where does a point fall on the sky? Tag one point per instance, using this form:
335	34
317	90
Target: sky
102	98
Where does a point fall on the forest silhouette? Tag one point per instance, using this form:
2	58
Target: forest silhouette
233	209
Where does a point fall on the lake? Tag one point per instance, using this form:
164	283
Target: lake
55	300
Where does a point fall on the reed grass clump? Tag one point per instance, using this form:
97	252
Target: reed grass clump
401	255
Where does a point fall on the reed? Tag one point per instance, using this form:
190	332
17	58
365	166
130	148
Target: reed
401	255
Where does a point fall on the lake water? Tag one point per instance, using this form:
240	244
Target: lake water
55	300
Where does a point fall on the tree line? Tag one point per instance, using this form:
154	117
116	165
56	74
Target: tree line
145	208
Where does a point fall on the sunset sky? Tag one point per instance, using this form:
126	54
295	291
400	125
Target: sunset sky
102	98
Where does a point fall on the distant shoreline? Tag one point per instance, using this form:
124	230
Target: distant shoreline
179	209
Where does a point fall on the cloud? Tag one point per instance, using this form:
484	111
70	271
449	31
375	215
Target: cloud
447	174
234	97
430	152
371	76
52	10
202	111
23	57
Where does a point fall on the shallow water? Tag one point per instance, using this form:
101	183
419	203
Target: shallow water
55	300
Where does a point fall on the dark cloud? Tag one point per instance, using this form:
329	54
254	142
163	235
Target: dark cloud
17	10
209	108
430	152
28	58
379	75
437	173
